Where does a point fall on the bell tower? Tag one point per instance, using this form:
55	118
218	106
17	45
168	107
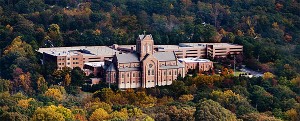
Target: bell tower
144	45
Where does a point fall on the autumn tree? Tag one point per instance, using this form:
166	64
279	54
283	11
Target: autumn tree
99	115
54	37
211	110
5	85
53	113
55	94
41	84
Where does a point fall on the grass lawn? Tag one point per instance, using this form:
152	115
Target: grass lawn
237	73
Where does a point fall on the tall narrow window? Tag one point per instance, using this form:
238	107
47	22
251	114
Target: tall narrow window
149	72
149	47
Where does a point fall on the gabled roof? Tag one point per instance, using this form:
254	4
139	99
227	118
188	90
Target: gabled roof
165	56
111	67
127	58
141	37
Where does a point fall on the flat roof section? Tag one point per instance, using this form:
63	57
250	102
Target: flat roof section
95	64
191	60
84	50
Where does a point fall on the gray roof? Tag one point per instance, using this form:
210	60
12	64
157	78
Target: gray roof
164	56
127	58
170	67
129	69
111	68
180	65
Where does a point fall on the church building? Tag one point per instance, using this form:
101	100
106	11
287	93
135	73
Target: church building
143	67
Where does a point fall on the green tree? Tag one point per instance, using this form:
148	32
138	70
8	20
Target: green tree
210	110
77	76
54	35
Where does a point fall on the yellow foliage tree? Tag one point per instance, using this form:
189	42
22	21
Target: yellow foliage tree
99	115
92	106
24	103
122	115
292	114
54	94
268	75
296	81
186	98
135	112
144	100
53	113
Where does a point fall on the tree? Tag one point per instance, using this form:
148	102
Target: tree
210	110
99	115
13	116
41	84
77	76
53	113
186	98
262	99
55	94
268	75
54	35
67	80
5	85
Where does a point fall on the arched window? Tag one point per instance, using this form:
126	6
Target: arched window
145	48
149	47
151	69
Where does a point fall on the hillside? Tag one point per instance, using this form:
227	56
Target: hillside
269	30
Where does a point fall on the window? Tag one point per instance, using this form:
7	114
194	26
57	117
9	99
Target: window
152	80
170	73
149	47
68	58
133	81
127	74
145	48
175	72
133	75
148	80
68	63
122	75
151	69
164	73
127	82
114	75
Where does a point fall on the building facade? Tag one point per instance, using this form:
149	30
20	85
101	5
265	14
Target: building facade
142	65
